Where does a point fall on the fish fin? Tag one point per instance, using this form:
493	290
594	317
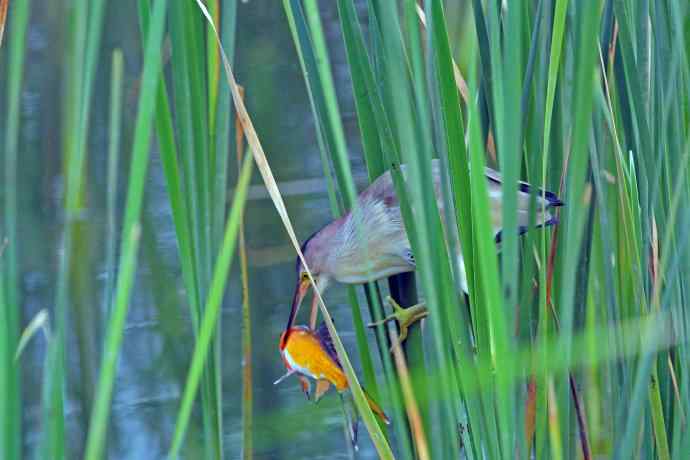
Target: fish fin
284	376
327	342
322	386
306	386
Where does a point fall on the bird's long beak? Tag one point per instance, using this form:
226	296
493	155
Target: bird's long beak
300	292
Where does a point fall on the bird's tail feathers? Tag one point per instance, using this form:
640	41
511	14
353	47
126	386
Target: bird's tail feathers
552	200
545	220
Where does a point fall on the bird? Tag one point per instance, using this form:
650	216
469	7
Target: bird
309	353
372	243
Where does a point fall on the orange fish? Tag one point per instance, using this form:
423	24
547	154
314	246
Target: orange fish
310	354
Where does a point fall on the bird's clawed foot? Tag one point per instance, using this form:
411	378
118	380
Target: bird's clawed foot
404	316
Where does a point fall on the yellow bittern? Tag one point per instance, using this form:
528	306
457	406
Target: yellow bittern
372	243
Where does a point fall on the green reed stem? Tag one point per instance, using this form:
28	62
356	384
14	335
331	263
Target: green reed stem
113	162
212	309
130	231
10	371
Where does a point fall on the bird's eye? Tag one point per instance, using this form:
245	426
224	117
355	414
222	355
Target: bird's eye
304	276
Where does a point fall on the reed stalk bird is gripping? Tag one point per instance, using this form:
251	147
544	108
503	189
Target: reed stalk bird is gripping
371	243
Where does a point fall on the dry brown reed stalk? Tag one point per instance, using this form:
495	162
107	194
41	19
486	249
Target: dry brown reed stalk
247	391
3	17
411	406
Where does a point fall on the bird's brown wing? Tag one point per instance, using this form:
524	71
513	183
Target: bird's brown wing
381	190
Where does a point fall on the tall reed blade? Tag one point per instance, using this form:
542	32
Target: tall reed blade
113	162
130	231
10	371
212	310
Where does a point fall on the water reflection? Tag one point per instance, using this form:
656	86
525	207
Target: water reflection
158	341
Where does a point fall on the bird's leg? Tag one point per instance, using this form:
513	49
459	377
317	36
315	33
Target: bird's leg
404	316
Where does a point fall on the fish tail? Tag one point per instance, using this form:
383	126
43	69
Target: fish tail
376	409
351	419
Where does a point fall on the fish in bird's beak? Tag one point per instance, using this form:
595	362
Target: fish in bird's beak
309	354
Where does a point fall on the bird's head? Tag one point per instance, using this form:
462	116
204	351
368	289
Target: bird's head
314	256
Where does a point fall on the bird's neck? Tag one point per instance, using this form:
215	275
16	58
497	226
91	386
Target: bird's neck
331	243
346	250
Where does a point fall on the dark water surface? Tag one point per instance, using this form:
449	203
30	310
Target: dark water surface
158	339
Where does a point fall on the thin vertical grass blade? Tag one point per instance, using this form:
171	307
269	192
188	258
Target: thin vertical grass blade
212	309
189	185
213	76
453	137
224	120
127	267
487	275
377	136
431	257
10	371
554	64
80	73
403	287
577	166
505	107
191	104
113	162
176	192
247	362
329	105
